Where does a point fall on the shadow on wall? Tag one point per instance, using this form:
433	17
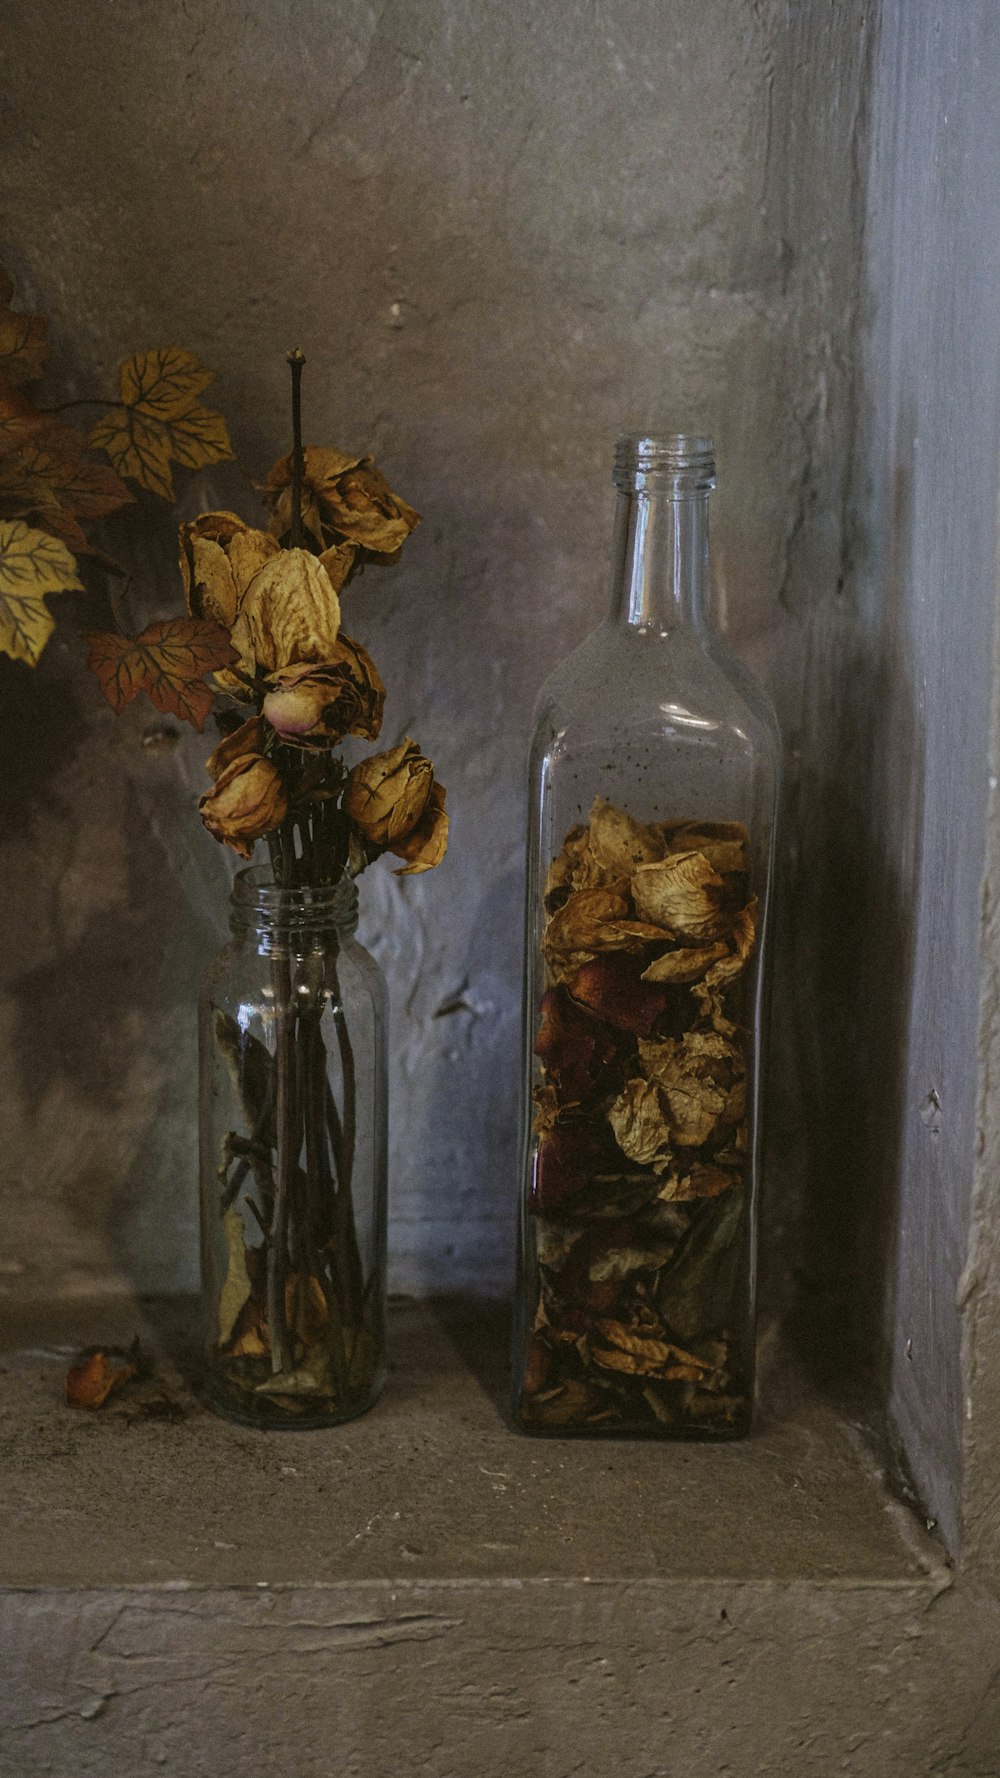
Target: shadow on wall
859	818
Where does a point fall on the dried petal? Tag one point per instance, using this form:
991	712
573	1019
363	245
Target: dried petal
343	498
219	556
723	843
575	1049
615	988
574	867
642	1129
619	844
94	1376
683	893
249	738
289	614
598	920
425	846
684	963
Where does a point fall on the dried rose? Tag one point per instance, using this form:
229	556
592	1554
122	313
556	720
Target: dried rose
313	705
386	794
248	801
219	557
249	738
289	614
426	844
343	499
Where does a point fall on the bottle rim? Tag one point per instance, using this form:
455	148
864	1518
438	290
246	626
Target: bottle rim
259	904
685	459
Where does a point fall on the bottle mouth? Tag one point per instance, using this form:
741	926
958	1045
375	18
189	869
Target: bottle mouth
684	461
261	905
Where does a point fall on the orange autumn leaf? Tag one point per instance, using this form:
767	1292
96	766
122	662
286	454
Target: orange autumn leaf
91	1380
23	343
168	661
161	421
49	482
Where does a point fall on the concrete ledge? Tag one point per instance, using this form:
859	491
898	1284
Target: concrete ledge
426	1592
431	1485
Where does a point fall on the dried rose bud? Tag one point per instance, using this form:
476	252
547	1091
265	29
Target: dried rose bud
343	498
219	557
426	844
247	802
386	795
316	705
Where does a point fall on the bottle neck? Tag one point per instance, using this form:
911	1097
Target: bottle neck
660	564
302	918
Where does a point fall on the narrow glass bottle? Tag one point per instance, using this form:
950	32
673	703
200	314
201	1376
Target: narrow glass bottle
653	794
293	1160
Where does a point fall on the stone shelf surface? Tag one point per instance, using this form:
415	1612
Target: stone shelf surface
426	1594
432	1484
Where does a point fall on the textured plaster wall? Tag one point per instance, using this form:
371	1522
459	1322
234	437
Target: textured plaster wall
499	233
917	660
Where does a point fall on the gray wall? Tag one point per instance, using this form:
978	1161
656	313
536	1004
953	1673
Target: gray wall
928	641
499	233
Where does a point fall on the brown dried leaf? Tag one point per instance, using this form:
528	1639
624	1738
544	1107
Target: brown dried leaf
32	564
647	1355
168	661
236	1288
161	420
683	893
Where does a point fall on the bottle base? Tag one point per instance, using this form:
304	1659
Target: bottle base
283	1413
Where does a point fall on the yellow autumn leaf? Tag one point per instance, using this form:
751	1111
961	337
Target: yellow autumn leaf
161	420
135	448
163	383
32	564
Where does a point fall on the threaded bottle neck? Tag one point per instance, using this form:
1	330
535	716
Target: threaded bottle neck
279	916
660	568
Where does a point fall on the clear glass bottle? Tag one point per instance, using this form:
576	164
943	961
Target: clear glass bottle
293	1160
653	795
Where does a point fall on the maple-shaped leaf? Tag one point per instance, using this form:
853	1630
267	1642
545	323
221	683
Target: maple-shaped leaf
164	383
168	661
23	343
161	420
31	565
51	484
